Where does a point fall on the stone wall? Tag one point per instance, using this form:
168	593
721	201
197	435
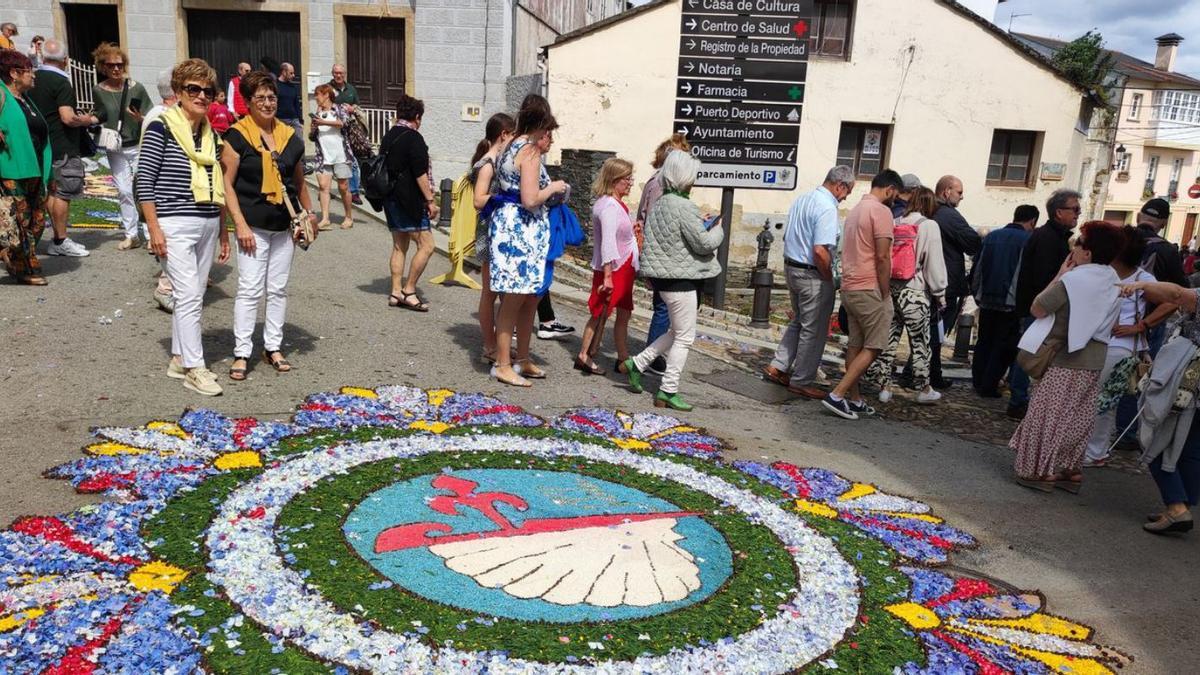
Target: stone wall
579	169
520	86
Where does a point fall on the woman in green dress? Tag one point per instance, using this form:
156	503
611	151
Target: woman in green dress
24	169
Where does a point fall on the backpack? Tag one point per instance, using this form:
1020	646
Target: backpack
377	181
904	252
1150	256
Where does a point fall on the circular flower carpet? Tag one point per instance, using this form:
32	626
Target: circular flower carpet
403	530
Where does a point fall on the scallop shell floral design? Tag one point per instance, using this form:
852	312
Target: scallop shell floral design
232	545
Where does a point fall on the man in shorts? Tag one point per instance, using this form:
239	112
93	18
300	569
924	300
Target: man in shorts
54	95
866	290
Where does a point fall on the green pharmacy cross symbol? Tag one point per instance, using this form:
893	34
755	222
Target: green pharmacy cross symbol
796	92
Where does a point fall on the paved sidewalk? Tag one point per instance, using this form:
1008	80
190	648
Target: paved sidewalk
64	371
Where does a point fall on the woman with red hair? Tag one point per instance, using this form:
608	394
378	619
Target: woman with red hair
1075	315
24	169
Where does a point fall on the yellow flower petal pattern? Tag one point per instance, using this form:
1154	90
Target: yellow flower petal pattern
157	576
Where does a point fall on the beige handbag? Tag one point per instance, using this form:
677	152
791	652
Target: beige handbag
1036	364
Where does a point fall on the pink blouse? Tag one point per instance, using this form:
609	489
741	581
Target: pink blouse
612	232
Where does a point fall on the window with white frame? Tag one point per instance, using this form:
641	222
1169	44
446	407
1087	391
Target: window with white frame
1151	174
1135	107
1122	163
1176	169
1177	106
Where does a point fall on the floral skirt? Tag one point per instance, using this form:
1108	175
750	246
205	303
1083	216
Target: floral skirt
1054	434
24	202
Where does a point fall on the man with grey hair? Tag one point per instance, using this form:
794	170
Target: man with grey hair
55	97
809	244
8	30
1043	255
346	94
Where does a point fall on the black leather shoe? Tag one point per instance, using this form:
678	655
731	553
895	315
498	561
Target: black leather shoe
1017	412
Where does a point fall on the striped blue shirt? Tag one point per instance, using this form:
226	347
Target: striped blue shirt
164	176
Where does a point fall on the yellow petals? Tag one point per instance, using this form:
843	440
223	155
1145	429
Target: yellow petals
438	396
915	615
858	490
14	620
1041	624
432	427
630	443
805	506
245	459
673	430
157	576
168	428
109	448
359	391
914	516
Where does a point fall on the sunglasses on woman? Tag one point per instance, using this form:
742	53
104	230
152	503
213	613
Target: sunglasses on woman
195	90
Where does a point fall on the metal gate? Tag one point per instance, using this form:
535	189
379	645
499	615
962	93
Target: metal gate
225	38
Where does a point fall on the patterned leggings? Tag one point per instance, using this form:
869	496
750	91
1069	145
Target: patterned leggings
912	312
28	214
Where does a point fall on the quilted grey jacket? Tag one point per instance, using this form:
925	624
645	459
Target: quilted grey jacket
677	245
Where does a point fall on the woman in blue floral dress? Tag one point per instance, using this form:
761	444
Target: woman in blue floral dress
520	237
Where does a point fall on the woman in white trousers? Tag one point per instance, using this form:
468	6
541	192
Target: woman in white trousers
182	194
263	167
679	256
120	101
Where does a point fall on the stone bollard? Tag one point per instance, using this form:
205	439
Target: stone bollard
762	279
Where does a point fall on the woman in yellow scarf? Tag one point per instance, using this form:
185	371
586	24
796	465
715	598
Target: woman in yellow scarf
263	166
182	194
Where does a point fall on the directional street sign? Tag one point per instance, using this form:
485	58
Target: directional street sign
752	176
744	153
733	111
788	8
741	47
741	69
777	27
716	132
773	92
743	65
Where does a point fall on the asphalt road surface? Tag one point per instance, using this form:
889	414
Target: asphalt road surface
63	371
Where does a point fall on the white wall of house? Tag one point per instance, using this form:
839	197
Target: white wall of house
1154	147
962	84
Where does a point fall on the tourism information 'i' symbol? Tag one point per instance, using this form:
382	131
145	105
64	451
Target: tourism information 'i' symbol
555	547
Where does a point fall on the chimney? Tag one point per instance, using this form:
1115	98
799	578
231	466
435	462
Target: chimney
1168	49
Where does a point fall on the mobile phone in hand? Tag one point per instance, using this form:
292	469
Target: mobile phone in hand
135	105
712	222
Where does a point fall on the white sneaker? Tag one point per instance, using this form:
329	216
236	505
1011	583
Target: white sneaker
202	381
885	396
929	397
175	370
68	248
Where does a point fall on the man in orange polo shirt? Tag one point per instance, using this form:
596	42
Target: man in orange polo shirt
866	293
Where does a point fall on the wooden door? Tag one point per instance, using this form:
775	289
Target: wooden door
227	38
88	26
375	60
1189	229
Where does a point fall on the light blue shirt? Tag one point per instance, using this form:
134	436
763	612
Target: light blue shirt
812	221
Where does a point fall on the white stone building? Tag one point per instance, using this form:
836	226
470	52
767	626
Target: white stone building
456	55
933	89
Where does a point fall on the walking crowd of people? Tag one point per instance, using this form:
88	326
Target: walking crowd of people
1097	314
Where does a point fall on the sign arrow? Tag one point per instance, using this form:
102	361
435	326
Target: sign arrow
691	24
682	131
687	87
692	4
691	44
690	67
687	110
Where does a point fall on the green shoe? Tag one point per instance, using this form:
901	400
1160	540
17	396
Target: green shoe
635	376
672	401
